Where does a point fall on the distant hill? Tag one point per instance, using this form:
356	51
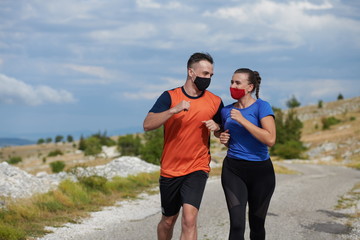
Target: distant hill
15	142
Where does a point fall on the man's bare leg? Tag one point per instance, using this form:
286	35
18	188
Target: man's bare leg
166	227
189	222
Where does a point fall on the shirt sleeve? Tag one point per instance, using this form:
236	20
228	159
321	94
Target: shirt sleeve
162	104
265	110
217	116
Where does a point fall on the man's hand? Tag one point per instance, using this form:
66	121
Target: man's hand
211	125
182	106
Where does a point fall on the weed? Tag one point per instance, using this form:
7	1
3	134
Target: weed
57	166
14	160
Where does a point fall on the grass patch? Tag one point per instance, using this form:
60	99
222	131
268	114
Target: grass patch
283	170
26	218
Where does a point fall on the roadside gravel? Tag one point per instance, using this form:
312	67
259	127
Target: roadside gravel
302	208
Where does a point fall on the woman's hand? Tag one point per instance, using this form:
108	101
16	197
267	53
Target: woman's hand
224	137
236	115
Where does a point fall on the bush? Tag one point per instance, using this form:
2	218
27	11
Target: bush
327	122
92	146
94	183
55	153
289	150
288	134
10	233
152	149
129	145
14	160
57	166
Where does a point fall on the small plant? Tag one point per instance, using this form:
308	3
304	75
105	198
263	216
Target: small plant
14	160
94	183
55	153
10	232
57	166
327	122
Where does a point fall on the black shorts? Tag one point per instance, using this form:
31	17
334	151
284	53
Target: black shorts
176	191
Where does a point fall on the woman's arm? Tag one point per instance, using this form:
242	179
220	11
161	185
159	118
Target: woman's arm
266	134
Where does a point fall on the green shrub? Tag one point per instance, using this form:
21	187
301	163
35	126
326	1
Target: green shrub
94	183
14	160
289	150
55	153
76	192
288	134
57	166
11	233
92	146
328	122
320	104
129	145
152	149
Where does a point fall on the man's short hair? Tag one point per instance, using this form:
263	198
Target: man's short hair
197	57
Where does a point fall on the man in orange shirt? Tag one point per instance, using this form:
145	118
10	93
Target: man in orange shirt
189	114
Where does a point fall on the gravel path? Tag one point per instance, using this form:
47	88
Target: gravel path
302	208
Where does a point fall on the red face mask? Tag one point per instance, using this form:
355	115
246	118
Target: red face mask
237	93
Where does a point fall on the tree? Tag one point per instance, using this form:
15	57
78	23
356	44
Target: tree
41	141
129	145
320	104
292	102
70	138
152	149
340	97
58	138
92	146
288	134
82	146
48	140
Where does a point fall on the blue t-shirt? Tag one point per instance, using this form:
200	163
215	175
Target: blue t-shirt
242	144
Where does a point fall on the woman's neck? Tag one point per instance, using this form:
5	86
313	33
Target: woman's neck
245	102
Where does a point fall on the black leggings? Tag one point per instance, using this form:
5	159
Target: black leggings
247	182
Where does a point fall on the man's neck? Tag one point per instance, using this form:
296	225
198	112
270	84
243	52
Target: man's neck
191	90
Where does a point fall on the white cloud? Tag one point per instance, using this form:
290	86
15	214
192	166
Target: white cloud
309	90
15	91
90	70
153	91
269	25
155	5
126	34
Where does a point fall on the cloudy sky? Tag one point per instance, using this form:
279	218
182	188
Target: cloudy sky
70	67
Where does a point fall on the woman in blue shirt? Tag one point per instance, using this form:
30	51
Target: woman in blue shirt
248	174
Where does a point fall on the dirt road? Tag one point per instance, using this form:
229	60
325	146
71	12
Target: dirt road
302	208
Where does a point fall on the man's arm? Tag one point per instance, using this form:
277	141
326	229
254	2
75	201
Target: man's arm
156	120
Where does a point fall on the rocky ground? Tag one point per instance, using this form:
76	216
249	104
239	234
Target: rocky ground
16	183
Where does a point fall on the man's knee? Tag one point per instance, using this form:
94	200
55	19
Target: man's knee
189	217
168	222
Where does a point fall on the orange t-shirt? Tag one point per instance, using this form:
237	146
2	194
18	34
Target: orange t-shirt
186	138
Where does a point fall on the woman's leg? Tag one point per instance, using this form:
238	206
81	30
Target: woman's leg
261	188
236	198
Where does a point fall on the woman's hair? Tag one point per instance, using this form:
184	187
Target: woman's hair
253	78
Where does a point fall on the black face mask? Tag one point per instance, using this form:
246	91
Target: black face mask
202	83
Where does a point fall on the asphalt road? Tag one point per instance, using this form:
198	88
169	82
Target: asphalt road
302	208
